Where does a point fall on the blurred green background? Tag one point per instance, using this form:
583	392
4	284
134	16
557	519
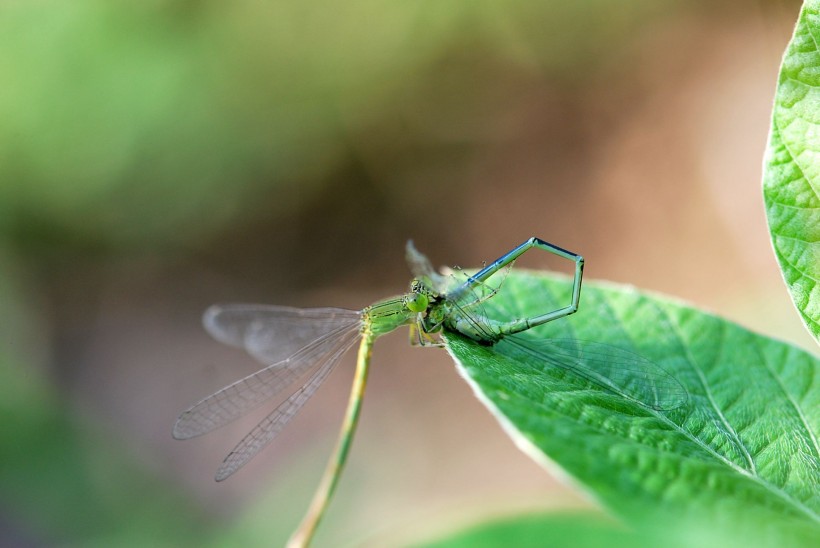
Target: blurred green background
158	157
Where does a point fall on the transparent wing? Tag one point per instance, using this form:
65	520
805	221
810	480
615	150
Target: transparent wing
272	333
246	394
615	369
421	268
266	431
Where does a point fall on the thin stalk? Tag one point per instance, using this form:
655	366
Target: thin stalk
304	533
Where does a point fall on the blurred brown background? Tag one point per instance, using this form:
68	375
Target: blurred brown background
160	157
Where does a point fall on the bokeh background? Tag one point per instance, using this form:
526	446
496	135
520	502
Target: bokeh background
157	157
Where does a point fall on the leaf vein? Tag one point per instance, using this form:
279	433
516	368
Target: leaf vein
811	435
776	124
802	273
728	428
792	238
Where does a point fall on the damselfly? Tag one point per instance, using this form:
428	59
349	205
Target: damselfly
307	344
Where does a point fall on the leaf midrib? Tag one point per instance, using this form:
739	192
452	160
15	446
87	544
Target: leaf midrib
774	489
810	433
769	487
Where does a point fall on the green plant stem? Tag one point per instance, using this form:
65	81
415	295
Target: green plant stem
304	533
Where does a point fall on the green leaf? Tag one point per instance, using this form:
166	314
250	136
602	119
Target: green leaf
591	531
791	179
579	531
744	443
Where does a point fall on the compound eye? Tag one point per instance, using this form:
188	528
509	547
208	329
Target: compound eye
417	302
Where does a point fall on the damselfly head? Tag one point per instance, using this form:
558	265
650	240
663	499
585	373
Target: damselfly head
416	301
420	287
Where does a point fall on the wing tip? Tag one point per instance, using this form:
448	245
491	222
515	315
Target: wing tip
210	315
228	467
178	433
183	429
674	400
